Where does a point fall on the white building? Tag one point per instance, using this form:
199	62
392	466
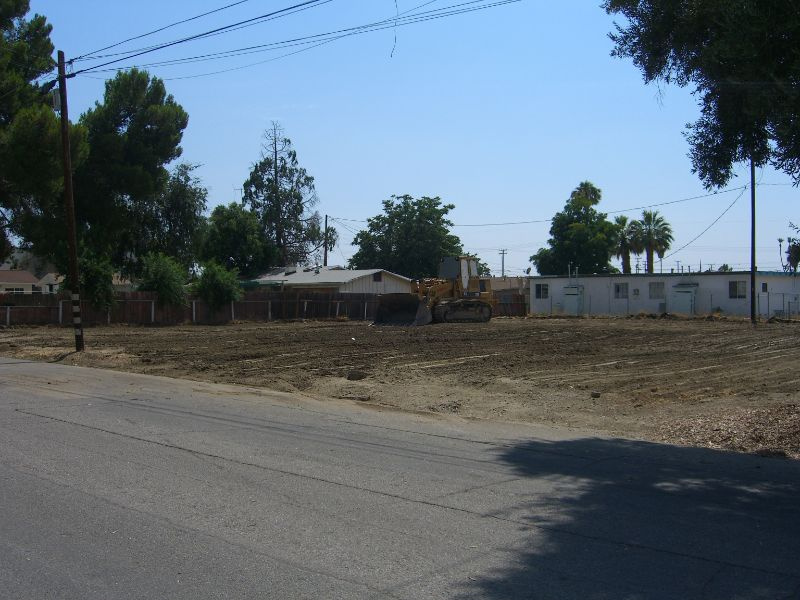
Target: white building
335	280
777	294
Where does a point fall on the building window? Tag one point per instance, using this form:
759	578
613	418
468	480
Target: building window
657	290
542	291
764	287
737	289
620	290
14	290
378	277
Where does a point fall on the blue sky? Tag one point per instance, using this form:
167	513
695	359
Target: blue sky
502	112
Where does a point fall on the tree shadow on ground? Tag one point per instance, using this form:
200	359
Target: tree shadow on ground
612	519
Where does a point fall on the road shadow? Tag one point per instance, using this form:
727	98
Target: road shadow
620	519
61	356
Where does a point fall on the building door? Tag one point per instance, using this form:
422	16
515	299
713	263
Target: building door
682	302
573	300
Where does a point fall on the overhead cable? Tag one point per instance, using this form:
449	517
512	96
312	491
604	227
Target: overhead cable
160	29
197	36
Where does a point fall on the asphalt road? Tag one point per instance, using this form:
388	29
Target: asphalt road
128	486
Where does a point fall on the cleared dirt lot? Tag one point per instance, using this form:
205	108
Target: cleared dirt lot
715	383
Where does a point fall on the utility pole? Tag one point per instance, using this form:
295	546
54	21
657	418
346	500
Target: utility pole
325	244
503	253
69	205
752	241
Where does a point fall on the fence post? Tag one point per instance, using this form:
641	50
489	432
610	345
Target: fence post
269	310
194	311
60	312
152	311
305	308
233	314
365	310
108	316
338	302
8	316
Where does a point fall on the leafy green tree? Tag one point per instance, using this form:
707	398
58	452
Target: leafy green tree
627	242
741	57
166	277
30	142
132	135
483	269
410	238
175	222
580	236
31	198
233	239
282	194
96	278
6	247
217	285
25	55
653	234
793	250
724	268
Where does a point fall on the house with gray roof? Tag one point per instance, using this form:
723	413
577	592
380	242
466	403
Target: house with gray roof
335	280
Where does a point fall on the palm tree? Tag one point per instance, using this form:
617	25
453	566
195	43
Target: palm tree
653	234
627	241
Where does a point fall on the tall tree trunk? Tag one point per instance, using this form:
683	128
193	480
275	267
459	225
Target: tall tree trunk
649	259
279	241
626	262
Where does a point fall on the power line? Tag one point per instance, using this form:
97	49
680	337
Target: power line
160	29
236	28
714	222
742	188
260	21
310	41
611	212
200	35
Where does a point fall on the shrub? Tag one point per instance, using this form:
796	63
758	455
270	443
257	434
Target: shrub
96	279
217	286
163	275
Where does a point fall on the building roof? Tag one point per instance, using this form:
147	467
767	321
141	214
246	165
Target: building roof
53	278
318	276
683	274
18	277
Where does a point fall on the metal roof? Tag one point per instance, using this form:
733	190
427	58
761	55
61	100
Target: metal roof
643	275
319	276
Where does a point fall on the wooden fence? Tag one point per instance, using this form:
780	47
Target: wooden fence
141	308
509	304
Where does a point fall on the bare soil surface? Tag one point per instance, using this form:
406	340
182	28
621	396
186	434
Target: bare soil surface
720	383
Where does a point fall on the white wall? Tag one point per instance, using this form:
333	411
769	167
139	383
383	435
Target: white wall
710	292
5	288
389	284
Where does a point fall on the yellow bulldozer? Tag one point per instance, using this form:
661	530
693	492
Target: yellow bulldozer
459	294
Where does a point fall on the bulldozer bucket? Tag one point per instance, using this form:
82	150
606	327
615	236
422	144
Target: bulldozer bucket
402	309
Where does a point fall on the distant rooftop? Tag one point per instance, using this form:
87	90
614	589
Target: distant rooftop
13	276
665	274
318	275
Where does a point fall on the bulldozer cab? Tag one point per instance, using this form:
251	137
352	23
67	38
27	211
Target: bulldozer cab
464	271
